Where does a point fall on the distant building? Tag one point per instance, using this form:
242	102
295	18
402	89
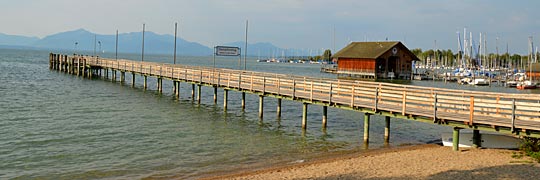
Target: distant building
375	60
534	71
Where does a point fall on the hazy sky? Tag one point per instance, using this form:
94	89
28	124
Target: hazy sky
286	23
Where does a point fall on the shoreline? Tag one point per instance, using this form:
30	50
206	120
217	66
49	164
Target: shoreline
426	161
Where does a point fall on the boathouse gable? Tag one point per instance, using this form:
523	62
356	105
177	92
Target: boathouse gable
375	60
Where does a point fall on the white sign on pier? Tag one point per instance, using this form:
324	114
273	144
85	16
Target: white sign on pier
227	51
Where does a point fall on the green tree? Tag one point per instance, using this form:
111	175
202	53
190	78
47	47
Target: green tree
417	52
327	55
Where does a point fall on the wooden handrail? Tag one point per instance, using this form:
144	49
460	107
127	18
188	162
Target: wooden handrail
460	105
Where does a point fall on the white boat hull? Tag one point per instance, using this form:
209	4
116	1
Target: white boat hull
494	141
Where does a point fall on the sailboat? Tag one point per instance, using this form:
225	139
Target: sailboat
528	84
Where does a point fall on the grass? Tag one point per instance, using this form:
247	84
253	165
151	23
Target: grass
529	147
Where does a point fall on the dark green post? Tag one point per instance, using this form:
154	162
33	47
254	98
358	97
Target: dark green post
304	115
455	139
477	139
261	106
387	129
324	116
366	127
225	93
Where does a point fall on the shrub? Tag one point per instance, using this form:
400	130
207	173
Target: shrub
531	147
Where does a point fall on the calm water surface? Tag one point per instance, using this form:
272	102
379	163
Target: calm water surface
59	126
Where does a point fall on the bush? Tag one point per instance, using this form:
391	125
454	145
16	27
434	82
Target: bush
531	147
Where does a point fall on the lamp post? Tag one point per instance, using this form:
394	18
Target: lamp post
142	52
175	32
99	43
75	48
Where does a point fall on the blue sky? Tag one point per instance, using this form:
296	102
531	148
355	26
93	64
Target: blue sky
287	23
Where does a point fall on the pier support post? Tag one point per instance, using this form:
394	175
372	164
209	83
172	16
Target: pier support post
477	139
387	129
122	77
279	107
113	75
198	94
455	139
158	84
84	68
145	85
261	106
215	94
50	60
192	92
324	116
177	89
174	87
304	115
106	73
366	127
243	100
78	66
225	93
132	79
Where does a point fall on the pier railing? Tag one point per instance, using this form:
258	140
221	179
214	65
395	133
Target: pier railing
521	111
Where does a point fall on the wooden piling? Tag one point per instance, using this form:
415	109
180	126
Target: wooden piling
84	68
304	115
145	85
387	129
122	76
198	94
50	60
455	139
279	107
157	84
132	79
178	89
366	127
324	116
215	94
225	94
261	106
78	66
243	100
192	92
160	85
174	87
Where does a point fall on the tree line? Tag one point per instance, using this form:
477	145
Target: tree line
447	58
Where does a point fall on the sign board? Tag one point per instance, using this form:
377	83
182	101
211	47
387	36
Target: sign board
227	51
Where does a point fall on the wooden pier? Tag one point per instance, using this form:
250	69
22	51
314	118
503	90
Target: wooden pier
517	114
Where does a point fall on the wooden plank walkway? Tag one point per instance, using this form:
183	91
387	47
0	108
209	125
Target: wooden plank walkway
504	112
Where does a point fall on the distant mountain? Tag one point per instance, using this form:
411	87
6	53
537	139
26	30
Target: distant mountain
257	49
82	40
14	40
127	43
268	50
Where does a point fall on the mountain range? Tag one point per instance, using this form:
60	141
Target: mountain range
83	40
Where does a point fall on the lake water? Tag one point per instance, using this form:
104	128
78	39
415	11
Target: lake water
59	126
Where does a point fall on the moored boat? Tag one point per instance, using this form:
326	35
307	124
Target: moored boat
526	85
495	141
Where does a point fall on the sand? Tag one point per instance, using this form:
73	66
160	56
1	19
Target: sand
417	162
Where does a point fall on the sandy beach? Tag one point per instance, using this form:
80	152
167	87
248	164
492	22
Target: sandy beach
414	162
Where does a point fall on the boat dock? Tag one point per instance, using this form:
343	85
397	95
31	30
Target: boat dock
514	114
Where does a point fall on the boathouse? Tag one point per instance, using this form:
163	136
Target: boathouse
375	60
534	71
